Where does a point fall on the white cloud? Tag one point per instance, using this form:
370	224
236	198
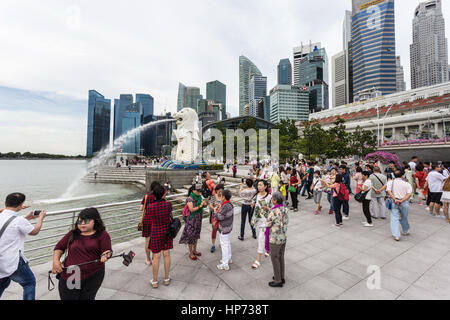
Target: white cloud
69	47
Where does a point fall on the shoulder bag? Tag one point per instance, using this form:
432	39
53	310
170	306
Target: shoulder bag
140	226
6	225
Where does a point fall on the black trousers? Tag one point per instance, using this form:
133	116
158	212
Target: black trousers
294	197
88	291
246	210
366	210
338	205
308	188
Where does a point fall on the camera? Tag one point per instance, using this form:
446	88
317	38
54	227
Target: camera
128	258
37	212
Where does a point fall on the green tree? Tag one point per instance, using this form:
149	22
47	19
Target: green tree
362	142
338	140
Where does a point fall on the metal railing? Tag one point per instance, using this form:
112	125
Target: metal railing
121	220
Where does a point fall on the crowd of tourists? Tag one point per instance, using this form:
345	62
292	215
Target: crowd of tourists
266	195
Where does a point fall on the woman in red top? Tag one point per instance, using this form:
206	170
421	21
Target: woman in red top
294	182
146	202
159	215
421	179
88	241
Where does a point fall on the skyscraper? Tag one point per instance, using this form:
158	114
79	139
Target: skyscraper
257	91
340	75
285	72
299	53
188	97
289	103
347	29
429	50
401	84
313	73
246	69
99	122
217	91
373	46
147	116
131	119
119	110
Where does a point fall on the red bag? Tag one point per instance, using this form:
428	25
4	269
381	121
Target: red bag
343	194
186	211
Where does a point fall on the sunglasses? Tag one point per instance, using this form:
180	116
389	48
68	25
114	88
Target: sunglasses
84	221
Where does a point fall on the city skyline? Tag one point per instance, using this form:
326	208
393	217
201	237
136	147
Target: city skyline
68	53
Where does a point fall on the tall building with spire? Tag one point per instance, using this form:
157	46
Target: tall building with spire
246	69
429	50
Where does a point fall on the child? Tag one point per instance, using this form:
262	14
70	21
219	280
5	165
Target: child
317	191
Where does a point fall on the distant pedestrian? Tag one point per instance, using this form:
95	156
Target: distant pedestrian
214	203
317	191
247	193
435	180
366	190
378	202
399	193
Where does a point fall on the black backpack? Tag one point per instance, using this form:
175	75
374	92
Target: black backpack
206	193
174	228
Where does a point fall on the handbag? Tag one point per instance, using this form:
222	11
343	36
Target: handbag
174	228
140	226
445	196
292	189
361	196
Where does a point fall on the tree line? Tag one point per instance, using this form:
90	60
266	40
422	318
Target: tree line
29	155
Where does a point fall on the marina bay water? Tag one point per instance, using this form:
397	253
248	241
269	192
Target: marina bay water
46	184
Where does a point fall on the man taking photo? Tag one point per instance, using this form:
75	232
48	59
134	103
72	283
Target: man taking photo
13	230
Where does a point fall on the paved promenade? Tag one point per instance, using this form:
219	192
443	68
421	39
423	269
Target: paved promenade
322	262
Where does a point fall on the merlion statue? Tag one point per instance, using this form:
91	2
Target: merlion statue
187	134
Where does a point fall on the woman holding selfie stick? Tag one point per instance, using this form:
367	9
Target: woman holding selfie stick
87	241
193	225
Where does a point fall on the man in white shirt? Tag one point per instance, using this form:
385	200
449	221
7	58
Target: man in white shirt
435	180
13	231
413	164
399	192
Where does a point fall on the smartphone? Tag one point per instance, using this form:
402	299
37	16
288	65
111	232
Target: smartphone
37	212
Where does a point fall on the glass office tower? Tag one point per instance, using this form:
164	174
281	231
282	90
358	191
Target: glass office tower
313	73
285	72
119	109
217	91
131	119
246	70
373	46
147	139
258	90
99	122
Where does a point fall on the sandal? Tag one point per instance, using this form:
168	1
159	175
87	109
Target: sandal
167	281
256	265
154	284
198	254
266	255
193	258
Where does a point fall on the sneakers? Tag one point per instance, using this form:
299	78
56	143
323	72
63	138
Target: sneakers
366	224
345	218
213	248
373	217
229	262
223	267
330	212
396	239
405	234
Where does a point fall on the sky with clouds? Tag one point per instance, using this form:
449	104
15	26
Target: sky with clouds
54	51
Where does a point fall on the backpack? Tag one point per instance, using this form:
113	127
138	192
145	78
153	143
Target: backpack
206	193
343	194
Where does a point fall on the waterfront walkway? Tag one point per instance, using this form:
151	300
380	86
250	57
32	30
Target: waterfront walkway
322	262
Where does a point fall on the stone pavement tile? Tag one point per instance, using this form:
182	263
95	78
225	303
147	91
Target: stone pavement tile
126	296
14	288
12	296
341	250
322	288
183	273
236	278
299	293
410	264
298	273
341	278
368	259
260	290
429	255
223	292
205	277
354	267
171	292
51	295
401	273
105	294
418	293
139	285
330	258
392	284
197	292
436	283
307	248
136	267
314	265
187	262
42	287
320	243
293	255
116	279
361	292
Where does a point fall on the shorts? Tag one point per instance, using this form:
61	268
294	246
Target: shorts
435	197
317	196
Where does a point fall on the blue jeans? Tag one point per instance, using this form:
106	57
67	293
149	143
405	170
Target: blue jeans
330	200
23	276
399	212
